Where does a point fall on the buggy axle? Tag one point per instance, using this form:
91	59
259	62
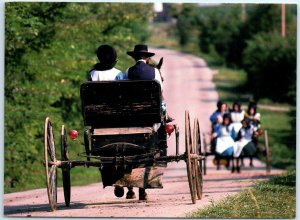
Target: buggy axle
123	161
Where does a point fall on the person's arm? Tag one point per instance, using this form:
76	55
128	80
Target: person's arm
213	117
89	78
126	74
120	76
257	116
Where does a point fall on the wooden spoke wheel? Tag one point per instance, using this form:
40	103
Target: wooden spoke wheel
65	169
203	142
198	163
189	162
50	167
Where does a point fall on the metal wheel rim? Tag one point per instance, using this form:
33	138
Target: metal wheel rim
51	175
189	164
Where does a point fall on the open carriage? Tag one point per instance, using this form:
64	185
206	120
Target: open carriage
125	138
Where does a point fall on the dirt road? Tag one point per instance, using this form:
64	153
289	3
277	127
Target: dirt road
188	86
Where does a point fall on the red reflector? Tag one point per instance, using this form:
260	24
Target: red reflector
73	134
169	129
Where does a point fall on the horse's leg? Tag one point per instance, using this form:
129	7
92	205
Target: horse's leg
142	194
130	194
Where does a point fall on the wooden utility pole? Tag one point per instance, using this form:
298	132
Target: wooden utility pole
243	14
283	20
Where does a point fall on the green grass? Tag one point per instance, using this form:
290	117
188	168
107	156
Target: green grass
282	138
230	84
275	198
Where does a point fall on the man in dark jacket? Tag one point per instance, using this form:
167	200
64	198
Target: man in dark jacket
141	70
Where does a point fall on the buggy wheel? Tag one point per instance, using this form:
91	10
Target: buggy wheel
268	167
50	166
189	162
65	169
198	163
204	152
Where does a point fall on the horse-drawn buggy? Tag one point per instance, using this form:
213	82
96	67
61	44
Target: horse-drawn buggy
125	138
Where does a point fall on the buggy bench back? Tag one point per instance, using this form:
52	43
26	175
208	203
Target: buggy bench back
108	104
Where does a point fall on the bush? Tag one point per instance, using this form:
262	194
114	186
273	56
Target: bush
270	62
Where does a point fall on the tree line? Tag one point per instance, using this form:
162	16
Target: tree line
245	36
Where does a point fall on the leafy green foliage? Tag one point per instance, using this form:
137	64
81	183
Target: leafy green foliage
218	34
270	62
49	49
186	20
246	36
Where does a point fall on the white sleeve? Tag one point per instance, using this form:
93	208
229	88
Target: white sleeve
92	75
257	116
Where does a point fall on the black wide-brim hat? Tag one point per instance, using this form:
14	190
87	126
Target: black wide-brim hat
140	50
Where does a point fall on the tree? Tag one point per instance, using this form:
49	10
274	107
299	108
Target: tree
49	48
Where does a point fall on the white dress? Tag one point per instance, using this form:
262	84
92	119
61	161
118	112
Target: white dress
246	137
224	139
236	118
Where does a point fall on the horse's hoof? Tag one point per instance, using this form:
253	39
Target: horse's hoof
119	191
130	195
143	196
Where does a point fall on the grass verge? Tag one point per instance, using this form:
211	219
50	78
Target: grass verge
275	198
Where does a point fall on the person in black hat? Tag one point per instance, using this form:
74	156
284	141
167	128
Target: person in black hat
105	69
141	70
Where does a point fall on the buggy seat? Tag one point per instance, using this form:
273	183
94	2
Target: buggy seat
115	104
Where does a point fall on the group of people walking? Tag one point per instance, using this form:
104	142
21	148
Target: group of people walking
234	132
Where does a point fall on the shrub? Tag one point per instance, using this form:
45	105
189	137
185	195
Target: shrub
270	62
